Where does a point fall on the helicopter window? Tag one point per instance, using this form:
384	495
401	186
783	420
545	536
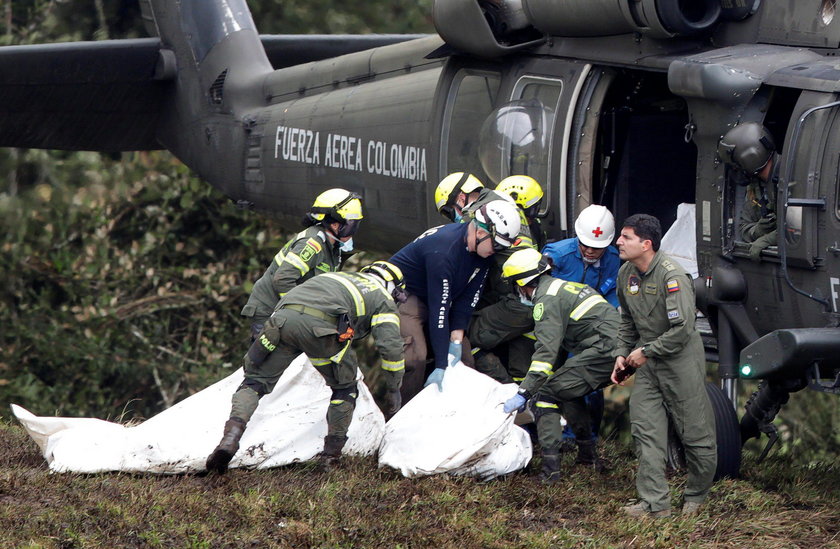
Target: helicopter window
777	105
515	140
471	99
516	137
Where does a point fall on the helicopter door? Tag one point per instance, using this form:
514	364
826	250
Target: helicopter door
811	167
529	134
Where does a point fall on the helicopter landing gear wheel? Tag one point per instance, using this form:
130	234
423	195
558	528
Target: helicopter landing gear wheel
728	438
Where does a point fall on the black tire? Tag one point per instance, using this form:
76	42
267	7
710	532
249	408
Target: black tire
728	438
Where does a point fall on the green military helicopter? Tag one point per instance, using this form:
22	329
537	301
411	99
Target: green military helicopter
616	102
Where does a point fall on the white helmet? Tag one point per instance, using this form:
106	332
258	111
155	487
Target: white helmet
500	218
595	226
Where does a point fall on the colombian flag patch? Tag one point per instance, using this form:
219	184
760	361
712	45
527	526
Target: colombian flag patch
673	286
314	243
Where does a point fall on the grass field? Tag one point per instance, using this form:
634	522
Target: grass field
776	504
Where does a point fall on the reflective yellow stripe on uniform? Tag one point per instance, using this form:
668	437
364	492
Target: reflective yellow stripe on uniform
541	367
354	292
555	286
336	402
525	241
541	404
530	335
385	318
585	307
393	365
298	263
339	356
519	379
279	258
320	361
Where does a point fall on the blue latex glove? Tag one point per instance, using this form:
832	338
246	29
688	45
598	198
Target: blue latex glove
515	403
454	352
436	377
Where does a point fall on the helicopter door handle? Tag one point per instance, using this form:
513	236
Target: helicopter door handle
807	202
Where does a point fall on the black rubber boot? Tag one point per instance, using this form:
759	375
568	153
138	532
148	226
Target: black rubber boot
329	458
588	455
550	468
224	452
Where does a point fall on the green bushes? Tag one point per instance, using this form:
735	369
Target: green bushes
123	294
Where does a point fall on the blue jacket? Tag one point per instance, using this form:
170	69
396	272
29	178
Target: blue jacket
442	273
569	265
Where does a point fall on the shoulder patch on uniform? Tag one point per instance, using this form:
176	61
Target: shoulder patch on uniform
667	265
673	285
539	309
673	314
310	250
314	243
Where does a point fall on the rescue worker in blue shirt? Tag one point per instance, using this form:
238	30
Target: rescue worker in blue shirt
589	258
444	271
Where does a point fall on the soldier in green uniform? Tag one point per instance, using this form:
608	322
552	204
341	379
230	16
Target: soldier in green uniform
320	318
657	337
569	317
501	330
332	221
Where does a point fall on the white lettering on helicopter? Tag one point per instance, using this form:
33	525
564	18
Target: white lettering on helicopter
835	282
348	153
297	145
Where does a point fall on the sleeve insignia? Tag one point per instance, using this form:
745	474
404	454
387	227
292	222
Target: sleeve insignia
308	252
673	314
539	309
314	243
673	285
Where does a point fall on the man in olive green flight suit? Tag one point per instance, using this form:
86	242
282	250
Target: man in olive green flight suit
657	337
569	317
320	318
332	220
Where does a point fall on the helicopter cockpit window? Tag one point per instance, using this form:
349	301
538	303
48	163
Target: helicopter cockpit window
470	101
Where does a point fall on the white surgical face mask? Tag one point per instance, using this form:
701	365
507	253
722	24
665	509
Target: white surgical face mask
346	246
524	299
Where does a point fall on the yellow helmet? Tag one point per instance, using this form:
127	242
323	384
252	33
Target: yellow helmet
524	265
454	183
391	276
339	205
523	189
